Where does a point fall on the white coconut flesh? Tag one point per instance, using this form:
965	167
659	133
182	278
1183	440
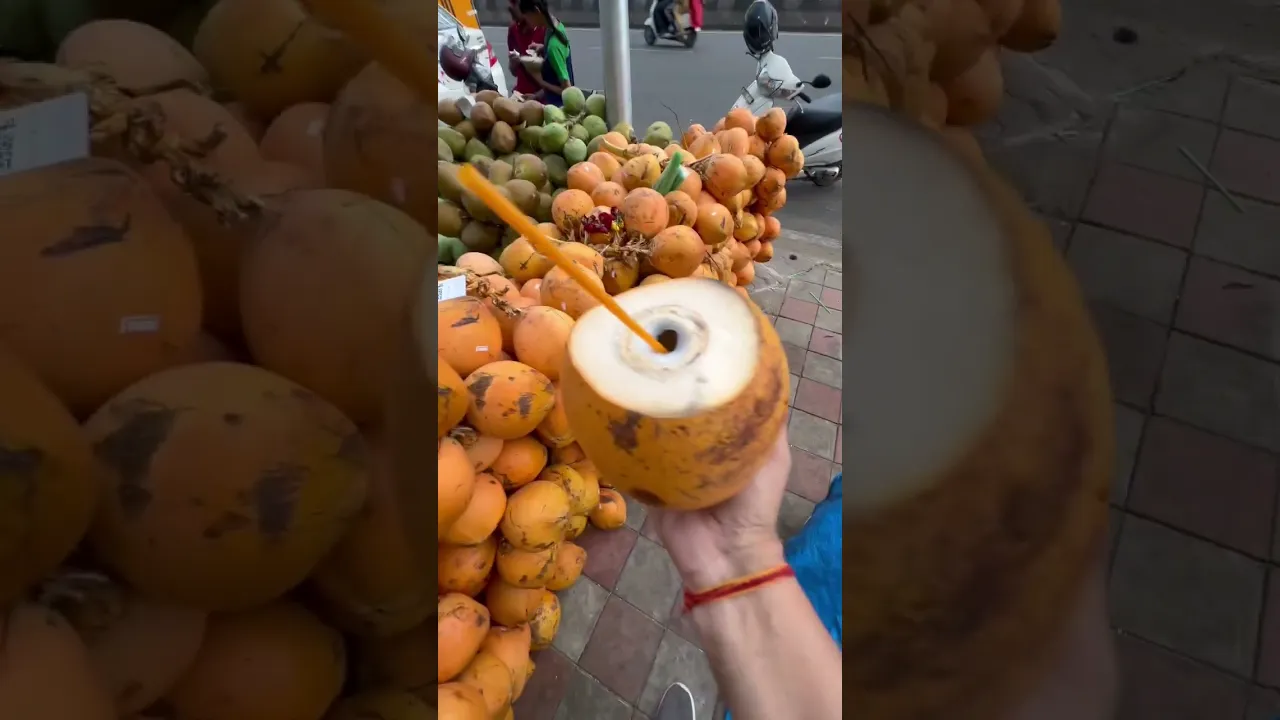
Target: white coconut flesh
929	324
710	332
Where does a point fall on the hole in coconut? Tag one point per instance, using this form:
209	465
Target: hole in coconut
669	339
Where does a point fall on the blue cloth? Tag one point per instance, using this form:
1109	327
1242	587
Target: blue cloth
816	554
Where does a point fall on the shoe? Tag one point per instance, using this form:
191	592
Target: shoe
676	704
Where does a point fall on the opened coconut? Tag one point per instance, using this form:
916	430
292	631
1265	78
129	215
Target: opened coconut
686	428
982	457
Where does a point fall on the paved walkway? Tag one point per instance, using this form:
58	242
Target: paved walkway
1184	281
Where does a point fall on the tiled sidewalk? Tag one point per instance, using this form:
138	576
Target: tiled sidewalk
1186	297
622	640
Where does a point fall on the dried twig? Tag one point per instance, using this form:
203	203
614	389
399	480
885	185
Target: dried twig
1209	176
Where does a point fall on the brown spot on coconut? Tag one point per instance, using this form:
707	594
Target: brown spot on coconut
536	516
545	622
465	568
47	464
219	515
984	443
509	399
688	427
584	492
525	568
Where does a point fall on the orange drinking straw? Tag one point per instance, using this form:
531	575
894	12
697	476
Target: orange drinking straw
472	180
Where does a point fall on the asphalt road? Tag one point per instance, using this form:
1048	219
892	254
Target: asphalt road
701	84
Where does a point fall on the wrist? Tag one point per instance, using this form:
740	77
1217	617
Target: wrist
741	559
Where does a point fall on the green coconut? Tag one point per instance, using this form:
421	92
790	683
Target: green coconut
579	132
456	141
594	125
480	236
502	139
442	150
554	136
543	212
450	112
557	170
531	113
449	218
466	128
483	117
597	106
524	194
552	114
575	151
625	130
475	148
575	101
500	172
531	168
658	134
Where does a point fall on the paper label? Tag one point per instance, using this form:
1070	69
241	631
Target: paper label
139	324
44	133
452	288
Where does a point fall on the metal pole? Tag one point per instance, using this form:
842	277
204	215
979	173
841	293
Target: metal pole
615	41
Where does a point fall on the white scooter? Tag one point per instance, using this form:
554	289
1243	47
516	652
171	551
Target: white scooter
658	26
817	124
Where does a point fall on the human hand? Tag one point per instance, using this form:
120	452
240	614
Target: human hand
735	538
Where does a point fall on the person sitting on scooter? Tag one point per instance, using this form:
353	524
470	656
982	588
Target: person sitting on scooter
557	65
664	14
760	28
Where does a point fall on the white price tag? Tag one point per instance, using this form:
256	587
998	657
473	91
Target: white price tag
454	287
44	133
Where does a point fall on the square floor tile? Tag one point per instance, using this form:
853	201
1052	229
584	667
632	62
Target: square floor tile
794	332
586	698
792	388
1248	165
818	399
826	370
545	690
1188	595
794	514
1208	485
839	445
1132	274
1156	684
816	275
649	580
812	434
1144	203
679	660
580	607
1053	175
1253	106
607	552
1198	92
834	279
1152	139
1232	306
650	529
1115	524
802	289
825	342
1269	652
1247	239
810	475
795	353
1059	230
833	321
637	512
1221	390
799	310
1129	423
832	299
621	650
681	623
1135	350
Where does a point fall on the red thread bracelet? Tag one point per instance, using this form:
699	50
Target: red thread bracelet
736	587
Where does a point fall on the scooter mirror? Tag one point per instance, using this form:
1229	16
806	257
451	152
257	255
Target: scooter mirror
822	81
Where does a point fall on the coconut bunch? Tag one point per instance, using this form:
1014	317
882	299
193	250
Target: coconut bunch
638	212
515	489
938	61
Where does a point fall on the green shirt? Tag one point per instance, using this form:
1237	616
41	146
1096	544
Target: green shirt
558	55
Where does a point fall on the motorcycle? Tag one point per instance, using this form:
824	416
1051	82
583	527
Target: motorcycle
462	64
658	25
817	124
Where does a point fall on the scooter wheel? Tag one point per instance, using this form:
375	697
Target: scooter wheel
650	37
690	37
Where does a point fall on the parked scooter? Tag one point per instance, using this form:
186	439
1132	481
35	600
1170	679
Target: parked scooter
816	124
659	25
